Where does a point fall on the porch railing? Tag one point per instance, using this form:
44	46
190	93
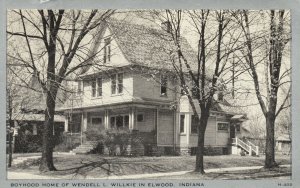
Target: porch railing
247	146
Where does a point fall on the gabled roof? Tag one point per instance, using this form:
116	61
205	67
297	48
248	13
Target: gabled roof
149	47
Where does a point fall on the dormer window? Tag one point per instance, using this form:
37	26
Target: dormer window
163	85
107	50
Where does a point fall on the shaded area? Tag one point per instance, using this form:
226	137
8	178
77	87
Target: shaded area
81	166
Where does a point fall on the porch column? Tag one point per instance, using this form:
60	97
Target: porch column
66	123
84	121
188	128
106	119
132	118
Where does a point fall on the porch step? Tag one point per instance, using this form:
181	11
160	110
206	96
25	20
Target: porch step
86	147
246	146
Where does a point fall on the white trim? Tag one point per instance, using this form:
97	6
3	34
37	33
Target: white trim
97	86
117	84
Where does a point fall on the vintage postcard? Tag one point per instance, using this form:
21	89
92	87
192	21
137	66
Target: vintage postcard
169	97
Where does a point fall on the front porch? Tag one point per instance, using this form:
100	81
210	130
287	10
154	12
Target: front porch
140	119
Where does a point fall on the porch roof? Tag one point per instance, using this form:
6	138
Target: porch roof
35	117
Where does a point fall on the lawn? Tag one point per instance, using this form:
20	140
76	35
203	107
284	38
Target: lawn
80	166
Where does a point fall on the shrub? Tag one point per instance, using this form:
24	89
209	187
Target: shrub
66	143
117	141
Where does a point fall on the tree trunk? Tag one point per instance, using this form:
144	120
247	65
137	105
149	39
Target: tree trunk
200	147
10	150
270	142
48	142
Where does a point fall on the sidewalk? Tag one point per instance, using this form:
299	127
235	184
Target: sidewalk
24	175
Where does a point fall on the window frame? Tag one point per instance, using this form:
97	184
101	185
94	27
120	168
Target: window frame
79	87
115	121
99	88
143	114
182	124
222	130
107	50
163	85
97	117
96	88
117	85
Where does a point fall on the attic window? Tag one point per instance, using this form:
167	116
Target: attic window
107	51
163	85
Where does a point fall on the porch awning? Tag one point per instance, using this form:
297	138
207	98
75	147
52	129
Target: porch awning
239	117
36	117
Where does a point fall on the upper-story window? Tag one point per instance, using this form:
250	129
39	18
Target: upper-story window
117	83
79	87
107	50
97	87
163	85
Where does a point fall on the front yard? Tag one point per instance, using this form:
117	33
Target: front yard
82	166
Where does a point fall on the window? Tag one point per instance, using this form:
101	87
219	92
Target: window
94	88
79	87
106	53
194	124
120	121
96	120
97	87
223	126
182	117
238	127
140	118
117	83
163	85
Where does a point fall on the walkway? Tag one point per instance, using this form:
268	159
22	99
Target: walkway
30	175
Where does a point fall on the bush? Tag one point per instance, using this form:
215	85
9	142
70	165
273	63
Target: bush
65	143
117	141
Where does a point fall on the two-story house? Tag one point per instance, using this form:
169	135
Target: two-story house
134	87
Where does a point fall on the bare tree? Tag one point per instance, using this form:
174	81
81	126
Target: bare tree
278	36
201	77
53	44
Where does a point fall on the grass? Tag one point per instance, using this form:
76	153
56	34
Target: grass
282	173
80	166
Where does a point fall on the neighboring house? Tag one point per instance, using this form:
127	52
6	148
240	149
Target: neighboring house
136	90
28	118
283	144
